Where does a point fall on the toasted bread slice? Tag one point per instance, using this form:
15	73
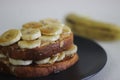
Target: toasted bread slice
45	50
35	70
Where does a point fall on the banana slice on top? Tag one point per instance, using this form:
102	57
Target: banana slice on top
48	21
66	29
10	37
32	25
49	38
51	29
29	44
30	34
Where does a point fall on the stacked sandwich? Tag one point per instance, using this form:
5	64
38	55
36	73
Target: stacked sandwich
37	49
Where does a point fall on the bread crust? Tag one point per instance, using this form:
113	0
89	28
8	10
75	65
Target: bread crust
39	52
40	70
4	68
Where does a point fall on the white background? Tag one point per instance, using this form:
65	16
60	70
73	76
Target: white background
13	13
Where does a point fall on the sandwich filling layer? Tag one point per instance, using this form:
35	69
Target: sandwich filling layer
49	60
2	55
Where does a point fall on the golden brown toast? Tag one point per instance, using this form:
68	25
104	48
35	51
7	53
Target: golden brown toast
35	70
13	51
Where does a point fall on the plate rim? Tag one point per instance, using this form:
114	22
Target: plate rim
89	75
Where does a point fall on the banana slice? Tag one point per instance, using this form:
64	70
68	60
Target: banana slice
29	44
53	59
66	30
51	29
49	21
71	50
32	25
19	62
57	57
2	55
61	56
30	34
49	38
43	61
10	37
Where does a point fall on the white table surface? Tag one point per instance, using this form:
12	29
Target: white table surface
13	13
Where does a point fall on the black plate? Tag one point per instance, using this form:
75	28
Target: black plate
92	60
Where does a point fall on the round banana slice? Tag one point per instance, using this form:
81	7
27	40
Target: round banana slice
53	59
30	34
29	44
32	25
2	55
66	30
49	21
71	50
19	62
10	37
43	61
61	56
49	38
52	29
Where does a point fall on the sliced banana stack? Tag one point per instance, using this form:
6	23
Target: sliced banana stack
50	30
30	38
10	37
33	33
50	33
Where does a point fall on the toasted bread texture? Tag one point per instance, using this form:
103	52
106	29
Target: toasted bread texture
38	53
35	70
